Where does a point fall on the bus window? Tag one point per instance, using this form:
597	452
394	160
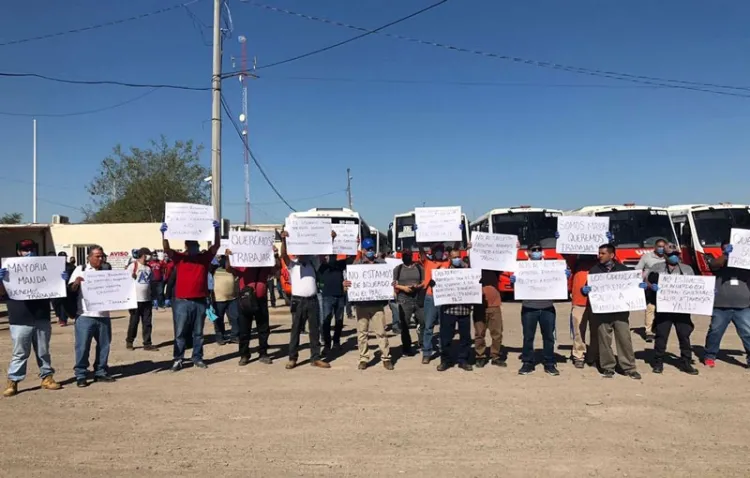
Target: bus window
713	225
530	227
406	238
640	227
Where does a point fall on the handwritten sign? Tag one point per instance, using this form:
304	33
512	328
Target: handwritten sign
686	294
189	222
393	262
616	292
457	286
32	278
740	255
224	244
252	248
438	224
581	234
108	290
494	252
347	239
369	282
308	236
541	280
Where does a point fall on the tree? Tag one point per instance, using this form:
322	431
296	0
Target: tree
133	186
11	218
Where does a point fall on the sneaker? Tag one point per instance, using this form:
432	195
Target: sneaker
104	378
579	363
150	348
527	369
607	373
176	366
244	361
129	346
688	368
551	369
81	383
221	342
443	366
498	362
387	364
657	367
710	363
481	362
265	359
200	364
465	366
321	364
11	388
290	364
649	338
634	375
48	383
362	366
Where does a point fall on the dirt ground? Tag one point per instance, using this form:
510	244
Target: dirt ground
262	420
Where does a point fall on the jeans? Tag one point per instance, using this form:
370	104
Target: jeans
306	310
157	293
408	306
261	324
189	317
546	320
142	313
349	313
719	322
432	315
59	307
231	310
271	294
448	324
395	322
24	337
86	329
333	308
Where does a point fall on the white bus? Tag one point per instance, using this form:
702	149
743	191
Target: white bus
402	236
338	215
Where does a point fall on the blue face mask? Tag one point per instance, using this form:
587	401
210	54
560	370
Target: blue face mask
429	256
370	254
456	261
673	259
536	255
660	250
438	255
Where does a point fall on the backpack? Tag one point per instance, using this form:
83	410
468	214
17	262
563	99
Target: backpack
422	292
248	299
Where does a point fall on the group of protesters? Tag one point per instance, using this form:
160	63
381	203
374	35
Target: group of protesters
199	284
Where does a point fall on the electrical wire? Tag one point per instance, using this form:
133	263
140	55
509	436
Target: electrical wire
103	82
100	25
252	156
79	113
641	79
367	33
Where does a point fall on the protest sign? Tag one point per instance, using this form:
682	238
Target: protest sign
494	252
581	234
541	280
119	259
308	236
31	278
189	222
393	262
369	282
224	244
616	292
740	255
457	286
347	239
108	290
686	294
438	224
251	249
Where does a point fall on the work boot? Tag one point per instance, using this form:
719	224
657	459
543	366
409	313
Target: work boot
578	363
362	366
481	362
151	348
11	388
321	364
48	383
688	368
129	345
425	360
290	364
657	367
388	365
265	359
244	361
465	366
498	362
443	366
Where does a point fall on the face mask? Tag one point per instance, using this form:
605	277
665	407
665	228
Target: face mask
609	263
407	259
370	254
673	259
430	256
536	255
660	250
438	256
456	261
27	254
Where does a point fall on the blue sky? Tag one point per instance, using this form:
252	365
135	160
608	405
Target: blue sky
526	135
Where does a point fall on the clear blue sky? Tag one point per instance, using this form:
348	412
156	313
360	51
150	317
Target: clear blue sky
540	139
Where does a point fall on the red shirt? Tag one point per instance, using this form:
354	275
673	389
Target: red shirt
192	275
254	277
157	270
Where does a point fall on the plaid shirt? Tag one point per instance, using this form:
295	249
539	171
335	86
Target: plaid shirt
457	309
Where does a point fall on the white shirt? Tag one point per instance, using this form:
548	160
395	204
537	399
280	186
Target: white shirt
79	272
142	281
304	279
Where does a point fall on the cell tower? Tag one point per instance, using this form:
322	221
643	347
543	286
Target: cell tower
244	77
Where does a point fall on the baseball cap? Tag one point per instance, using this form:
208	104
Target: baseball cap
25	245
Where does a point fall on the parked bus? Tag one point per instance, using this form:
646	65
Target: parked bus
403	237
702	227
381	241
530	224
635	228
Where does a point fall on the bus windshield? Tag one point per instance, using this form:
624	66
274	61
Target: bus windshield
405	236
713	226
530	227
639	228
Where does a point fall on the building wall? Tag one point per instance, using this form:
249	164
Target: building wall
10	235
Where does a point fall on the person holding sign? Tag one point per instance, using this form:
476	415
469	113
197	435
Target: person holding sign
410	296
731	304
613	323
370	314
331	275
142	275
91	325
663	321
646	264
29	323
581	317
190	294
430	261
304	289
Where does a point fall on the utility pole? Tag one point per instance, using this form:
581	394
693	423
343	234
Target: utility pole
33	179
216	114
244	76
349	187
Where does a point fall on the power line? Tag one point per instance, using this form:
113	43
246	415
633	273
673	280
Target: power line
100	25
367	33
641	79
103	82
80	113
252	156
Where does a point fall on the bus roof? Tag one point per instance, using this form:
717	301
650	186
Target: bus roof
327	212
513	210
684	209
411	213
591	210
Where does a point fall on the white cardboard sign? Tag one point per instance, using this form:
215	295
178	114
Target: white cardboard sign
347	239
438	224
308	236
108	290
457	286
616	292
740	255
369	282
32	278
686	294
189	222
494	252
581	234
251	248
541	280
